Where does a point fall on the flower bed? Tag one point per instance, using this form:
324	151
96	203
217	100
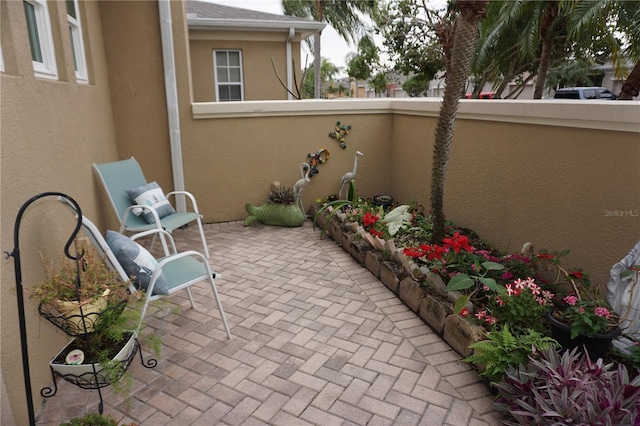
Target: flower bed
491	307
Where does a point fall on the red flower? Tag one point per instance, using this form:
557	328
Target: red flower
412	252
577	275
369	219
458	242
464	312
436	252
375	233
545	256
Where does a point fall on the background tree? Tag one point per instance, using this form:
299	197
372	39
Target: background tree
379	82
464	36
360	65
410	31
345	16
328	70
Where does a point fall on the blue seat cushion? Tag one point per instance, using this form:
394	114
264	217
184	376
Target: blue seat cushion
150	195
137	262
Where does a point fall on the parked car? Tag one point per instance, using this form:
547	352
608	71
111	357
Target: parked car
599	93
483	95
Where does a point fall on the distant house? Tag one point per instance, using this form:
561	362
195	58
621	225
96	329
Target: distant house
238	54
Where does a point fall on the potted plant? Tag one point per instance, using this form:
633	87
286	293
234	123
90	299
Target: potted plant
87	300
282	209
579	318
77	291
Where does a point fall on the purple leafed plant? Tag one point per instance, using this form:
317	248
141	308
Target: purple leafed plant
568	389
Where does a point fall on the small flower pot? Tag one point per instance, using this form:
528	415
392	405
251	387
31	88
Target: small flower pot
383	200
596	346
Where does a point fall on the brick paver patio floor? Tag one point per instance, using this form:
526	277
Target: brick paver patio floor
318	340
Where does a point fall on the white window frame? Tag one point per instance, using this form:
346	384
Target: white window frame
232	83
77	44
47	68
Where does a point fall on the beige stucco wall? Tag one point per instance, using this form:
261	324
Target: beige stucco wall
51	132
258	49
557	174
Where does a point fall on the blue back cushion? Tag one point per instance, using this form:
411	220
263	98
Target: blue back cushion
136	262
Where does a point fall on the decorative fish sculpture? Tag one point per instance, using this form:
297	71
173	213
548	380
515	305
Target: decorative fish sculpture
289	215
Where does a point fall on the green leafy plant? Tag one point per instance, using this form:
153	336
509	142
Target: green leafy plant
94	419
336	205
554	390
634	351
504	349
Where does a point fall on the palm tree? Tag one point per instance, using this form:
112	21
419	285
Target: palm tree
631	86
343	15
620	22
465	34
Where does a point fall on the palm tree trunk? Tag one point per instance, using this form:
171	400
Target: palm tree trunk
631	86
465	34
546	34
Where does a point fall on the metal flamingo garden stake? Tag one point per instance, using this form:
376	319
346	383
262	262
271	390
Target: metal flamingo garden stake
349	176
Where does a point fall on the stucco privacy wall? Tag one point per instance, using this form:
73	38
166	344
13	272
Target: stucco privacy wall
557	174
51	132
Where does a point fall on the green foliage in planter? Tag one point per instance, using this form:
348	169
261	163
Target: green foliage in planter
554	390
94	419
336	205
504	349
281	195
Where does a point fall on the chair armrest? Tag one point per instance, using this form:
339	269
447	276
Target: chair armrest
188	195
162	233
129	209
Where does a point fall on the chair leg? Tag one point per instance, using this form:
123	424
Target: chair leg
193	306
204	241
217	297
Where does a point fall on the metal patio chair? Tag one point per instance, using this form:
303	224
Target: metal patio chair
174	272
120	178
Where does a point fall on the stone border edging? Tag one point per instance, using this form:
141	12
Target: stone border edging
398	273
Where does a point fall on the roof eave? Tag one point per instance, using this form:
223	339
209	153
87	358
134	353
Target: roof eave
304	28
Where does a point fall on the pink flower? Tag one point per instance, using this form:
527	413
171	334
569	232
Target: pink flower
485	287
491	320
541	301
602	312
519	284
500	301
530	282
547	295
481	314
571	300
510	289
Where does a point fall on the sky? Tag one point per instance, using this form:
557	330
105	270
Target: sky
333	47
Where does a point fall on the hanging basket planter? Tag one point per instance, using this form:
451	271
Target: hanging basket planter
68	364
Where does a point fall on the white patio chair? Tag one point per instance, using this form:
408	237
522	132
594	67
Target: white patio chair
174	272
124	181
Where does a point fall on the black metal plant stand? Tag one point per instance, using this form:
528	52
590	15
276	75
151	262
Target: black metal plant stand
88	380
